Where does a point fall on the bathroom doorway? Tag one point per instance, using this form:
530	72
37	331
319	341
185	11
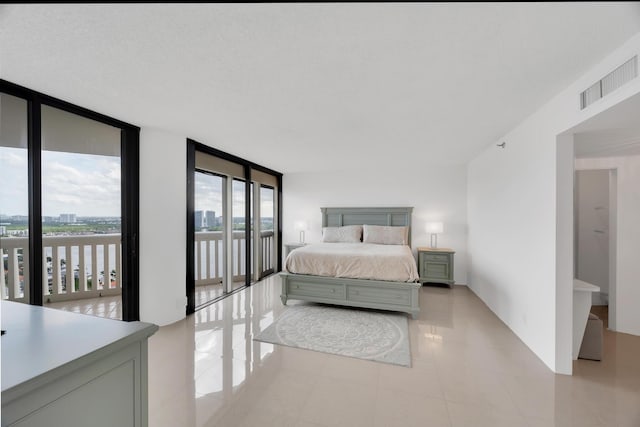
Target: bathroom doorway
595	235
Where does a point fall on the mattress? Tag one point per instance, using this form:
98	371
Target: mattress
354	260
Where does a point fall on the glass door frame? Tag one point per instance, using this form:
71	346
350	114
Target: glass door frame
257	213
248	166
130	190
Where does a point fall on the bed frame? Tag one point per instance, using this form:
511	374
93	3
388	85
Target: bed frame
378	294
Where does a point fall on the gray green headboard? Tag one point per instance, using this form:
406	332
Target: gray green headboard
337	217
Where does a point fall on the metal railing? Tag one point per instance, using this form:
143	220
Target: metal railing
71	263
209	247
74	267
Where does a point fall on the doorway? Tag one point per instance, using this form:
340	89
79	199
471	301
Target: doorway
209	235
70	230
595	235
233	224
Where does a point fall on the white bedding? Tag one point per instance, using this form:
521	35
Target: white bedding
354	260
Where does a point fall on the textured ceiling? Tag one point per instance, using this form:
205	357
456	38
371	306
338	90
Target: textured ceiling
315	87
614	132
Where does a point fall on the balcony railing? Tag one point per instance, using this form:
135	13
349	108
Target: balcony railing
208	254
100	256
96	256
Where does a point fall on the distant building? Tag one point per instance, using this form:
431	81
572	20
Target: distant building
204	219
67	218
210	219
3	230
199	220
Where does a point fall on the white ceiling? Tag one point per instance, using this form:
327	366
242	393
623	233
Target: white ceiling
315	87
612	133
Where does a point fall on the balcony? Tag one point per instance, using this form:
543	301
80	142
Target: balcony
90	254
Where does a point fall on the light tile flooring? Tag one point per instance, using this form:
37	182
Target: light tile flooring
108	306
111	306
468	369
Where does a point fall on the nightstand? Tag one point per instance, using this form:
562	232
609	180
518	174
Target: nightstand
435	265
288	247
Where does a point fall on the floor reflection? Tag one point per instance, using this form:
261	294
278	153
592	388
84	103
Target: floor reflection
468	369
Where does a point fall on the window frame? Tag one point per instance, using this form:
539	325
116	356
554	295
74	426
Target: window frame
130	190
194	146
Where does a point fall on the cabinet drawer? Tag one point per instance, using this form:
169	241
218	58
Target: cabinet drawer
436	257
436	270
379	295
316	290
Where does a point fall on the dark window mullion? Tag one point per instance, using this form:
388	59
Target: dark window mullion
191	176
248	224
130	212
34	165
278	265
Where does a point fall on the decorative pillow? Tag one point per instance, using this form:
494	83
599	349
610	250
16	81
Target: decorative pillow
386	235
346	234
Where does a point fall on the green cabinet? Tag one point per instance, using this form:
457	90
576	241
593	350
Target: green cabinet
435	265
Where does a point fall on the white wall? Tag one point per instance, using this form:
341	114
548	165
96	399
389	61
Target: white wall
435	193
516	212
628	238
163	215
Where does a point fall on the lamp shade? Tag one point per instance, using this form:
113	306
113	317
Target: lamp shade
301	225
434	227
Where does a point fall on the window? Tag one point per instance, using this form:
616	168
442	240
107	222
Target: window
241	199
80	220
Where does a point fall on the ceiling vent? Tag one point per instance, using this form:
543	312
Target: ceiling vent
612	81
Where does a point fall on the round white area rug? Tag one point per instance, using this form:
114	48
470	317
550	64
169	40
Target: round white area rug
362	334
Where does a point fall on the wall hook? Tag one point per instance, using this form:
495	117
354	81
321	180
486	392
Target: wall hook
502	145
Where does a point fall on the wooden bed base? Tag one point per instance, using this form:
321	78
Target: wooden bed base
383	295
378	294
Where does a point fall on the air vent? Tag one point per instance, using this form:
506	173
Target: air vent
612	81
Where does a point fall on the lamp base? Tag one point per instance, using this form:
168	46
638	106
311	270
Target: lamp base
301	236
434	241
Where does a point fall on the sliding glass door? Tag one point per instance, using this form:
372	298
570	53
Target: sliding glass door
14	199
68	206
81	213
267	236
239	241
241	200
209	236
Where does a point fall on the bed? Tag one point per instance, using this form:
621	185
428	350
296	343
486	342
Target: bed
393	295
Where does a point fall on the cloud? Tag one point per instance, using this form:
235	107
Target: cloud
14	196
208	196
208	193
84	184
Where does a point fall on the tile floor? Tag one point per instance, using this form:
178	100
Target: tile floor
111	306
468	369
108	306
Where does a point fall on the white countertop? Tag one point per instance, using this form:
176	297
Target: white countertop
579	285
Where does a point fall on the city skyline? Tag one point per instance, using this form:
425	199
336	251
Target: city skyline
85	184
89	185
208	196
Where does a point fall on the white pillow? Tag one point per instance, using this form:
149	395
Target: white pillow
346	234
385	235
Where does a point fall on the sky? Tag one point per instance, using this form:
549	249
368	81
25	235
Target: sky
89	185
208	196
82	184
